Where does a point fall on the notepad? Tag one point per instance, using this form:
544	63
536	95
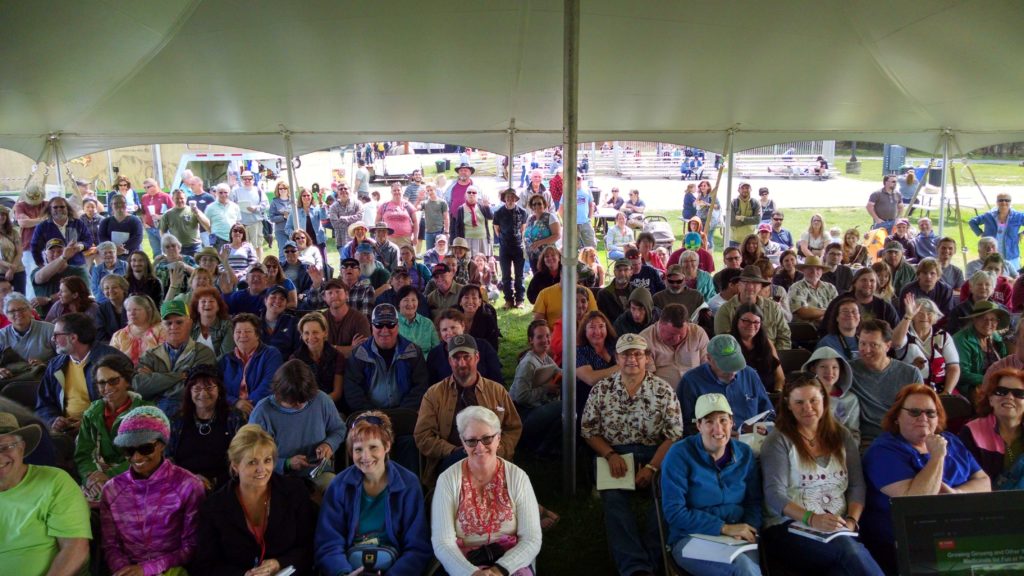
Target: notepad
722	549
605	480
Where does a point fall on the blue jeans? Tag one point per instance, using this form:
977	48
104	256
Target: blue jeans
281	239
153	235
511	258
887	224
431	238
843	556
615	255
631	550
742	566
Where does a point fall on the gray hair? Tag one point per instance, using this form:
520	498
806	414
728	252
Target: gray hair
479	414
121	281
15	297
689	255
104	246
982	275
223	186
168	239
987	241
927	305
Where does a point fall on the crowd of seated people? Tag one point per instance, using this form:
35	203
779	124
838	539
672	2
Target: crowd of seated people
222	410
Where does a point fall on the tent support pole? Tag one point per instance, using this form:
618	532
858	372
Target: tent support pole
714	196
727	209
942	190
110	169
291	176
158	163
570	107
511	151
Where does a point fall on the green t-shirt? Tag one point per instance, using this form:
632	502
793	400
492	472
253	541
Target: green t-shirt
44	506
182	224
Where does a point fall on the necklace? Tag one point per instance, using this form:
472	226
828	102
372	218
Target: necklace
204	426
812	441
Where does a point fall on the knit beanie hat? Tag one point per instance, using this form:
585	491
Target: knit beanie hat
143	425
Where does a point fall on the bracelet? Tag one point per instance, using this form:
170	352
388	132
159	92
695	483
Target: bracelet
856	525
808	516
651	467
609	454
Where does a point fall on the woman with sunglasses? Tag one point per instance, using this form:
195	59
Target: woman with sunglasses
914	457
375	506
258	523
812	478
239	253
276	277
149	513
996	436
279	212
123	187
203	429
542	229
484	516
309	254
311	214
96	458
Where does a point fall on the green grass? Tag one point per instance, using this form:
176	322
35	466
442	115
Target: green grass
987	174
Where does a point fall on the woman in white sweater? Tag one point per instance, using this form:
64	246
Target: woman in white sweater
484	513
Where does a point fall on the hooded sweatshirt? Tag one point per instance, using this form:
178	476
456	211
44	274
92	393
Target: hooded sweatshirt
844	404
624	324
705	261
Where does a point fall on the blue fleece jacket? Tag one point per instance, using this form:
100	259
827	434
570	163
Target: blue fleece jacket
300	431
50	402
47	230
405	521
698	498
261	368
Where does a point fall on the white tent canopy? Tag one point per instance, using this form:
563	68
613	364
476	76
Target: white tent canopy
105	74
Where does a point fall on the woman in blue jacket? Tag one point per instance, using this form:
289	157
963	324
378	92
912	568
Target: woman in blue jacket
311	217
711	484
247	371
374	507
1004	225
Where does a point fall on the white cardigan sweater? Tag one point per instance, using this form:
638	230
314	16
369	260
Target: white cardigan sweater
445	507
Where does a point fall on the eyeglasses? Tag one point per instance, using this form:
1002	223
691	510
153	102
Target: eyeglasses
108	382
670	281
776	219
916	412
290	251
5	448
55	334
1003	201
13	311
750	322
122	185
385	325
486	440
350	265
145	450
471	192
536	204
246	177
375	420
204	386
1017	393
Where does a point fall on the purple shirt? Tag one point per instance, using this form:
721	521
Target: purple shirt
458	197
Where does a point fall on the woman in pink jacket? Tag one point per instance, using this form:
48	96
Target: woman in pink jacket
150	512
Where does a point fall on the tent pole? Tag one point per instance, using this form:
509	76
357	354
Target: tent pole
158	163
511	151
714	194
726	210
291	175
570	107
110	169
942	189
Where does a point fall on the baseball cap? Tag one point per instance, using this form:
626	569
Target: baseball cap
725	351
764	228
441	268
674	269
711	403
384	314
893	246
623	263
630	342
55	242
277	289
461	343
364	247
173	307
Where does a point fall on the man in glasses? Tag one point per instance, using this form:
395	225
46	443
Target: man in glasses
780	235
1004	224
733	259
345	211
67	387
26	335
360	293
253	206
436	435
223	214
62	223
885	205
163	370
387	372
154	203
677	289
877	378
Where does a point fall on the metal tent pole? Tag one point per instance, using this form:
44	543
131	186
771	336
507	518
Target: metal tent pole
727	209
570	100
291	175
942	190
511	153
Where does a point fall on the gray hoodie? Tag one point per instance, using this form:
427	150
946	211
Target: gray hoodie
845	407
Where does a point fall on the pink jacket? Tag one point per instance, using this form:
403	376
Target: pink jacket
152	522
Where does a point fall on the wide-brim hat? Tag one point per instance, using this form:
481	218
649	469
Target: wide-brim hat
511	191
352	227
753	274
812	262
30	433
467	166
986	306
460	243
208	251
381	227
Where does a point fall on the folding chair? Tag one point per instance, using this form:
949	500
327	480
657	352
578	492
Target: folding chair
803	335
24	393
671	568
959	411
793	360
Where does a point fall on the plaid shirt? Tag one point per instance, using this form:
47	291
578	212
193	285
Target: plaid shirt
361	297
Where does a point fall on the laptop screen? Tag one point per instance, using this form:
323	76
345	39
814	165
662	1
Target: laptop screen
960	533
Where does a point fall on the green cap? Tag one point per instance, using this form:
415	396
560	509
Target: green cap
173	307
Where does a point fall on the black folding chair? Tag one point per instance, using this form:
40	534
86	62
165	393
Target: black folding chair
959	411
803	335
793	360
24	393
671	568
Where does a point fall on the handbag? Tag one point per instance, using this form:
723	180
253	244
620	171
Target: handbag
486	555
372	557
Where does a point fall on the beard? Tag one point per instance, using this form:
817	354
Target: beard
365	269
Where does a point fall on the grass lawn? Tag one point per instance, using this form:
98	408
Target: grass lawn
987	174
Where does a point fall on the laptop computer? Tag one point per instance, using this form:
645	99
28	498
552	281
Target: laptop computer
960	534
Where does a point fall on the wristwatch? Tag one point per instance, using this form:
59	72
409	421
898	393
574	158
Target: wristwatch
651	467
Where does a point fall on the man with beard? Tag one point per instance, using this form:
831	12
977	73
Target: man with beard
774	324
386	251
446	292
343	213
613	299
370	270
67	387
865	281
436	435
455	195
676	290
163	370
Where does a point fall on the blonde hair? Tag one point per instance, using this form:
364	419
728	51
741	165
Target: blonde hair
146	303
247	439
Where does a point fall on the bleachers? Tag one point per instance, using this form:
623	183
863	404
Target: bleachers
792	166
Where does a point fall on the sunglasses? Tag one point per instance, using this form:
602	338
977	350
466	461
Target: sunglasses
536	204
1003	201
916	413
350	265
375	420
387	325
145	449
486	440
1017	393
675	282
290	251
